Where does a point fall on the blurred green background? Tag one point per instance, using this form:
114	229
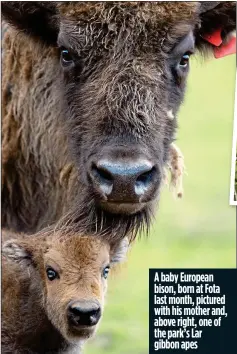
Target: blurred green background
197	231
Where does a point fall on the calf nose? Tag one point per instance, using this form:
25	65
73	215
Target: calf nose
124	181
84	313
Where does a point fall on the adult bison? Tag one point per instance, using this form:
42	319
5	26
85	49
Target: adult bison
91	92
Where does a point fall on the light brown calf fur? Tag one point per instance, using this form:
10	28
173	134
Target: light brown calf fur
40	315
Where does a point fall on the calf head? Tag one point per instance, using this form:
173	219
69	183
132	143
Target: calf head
71	275
124	67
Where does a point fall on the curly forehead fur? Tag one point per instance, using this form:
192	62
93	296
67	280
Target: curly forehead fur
156	13
138	19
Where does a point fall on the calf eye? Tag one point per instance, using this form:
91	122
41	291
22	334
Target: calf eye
184	61
51	273
105	272
66	57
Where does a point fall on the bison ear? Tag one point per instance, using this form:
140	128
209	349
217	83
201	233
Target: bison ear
119	251
17	251
35	18
217	22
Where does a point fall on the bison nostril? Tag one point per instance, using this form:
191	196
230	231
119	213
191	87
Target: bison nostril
103	177
144	181
94	316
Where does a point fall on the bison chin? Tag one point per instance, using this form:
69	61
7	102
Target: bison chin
113	221
122	208
121	224
75	334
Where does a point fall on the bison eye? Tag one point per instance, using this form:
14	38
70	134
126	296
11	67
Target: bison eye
184	61
51	273
105	272
66	57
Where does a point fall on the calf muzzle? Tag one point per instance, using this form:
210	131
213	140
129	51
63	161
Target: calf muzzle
81	313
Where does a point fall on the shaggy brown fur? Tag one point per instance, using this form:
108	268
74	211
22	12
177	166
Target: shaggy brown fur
35	310
124	89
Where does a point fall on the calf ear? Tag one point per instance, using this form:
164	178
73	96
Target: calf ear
17	251
35	18
119	251
217	22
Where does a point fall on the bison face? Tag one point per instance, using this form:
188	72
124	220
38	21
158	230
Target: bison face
124	76
74	273
123	68
68	279
122	100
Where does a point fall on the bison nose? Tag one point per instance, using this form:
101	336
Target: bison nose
84	313
125	182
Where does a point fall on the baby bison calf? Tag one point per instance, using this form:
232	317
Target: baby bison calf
53	291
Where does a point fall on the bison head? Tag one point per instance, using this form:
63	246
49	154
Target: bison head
123	69
68	278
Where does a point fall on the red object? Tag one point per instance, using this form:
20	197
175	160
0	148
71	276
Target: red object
214	38
221	49
225	49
